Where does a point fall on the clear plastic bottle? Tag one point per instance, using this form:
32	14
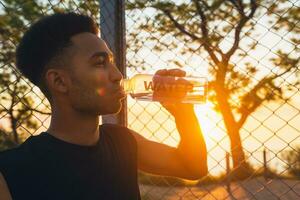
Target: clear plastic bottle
147	87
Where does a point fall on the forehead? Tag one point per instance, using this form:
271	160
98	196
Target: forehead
88	43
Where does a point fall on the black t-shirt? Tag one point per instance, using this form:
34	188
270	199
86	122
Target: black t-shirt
44	167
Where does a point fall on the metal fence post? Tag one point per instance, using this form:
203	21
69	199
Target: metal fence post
266	171
112	25
228	172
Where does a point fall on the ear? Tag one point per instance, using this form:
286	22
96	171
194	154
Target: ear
57	80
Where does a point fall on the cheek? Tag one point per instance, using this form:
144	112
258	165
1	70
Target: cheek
100	79
101	91
94	82
101	84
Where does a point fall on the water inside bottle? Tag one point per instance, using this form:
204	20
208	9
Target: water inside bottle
158	88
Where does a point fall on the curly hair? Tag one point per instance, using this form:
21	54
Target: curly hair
46	41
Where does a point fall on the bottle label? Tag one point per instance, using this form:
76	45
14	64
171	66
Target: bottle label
168	88
150	86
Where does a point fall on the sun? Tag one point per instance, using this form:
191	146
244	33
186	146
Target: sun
207	117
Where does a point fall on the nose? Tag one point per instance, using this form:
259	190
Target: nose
115	74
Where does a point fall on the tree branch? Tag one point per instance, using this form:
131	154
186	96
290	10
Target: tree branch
247	112
179	26
215	5
256	104
7	137
238	4
241	24
205	4
40	112
27	109
203	26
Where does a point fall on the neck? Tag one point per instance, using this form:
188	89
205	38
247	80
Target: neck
74	127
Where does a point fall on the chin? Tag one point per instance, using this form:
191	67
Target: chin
118	109
112	109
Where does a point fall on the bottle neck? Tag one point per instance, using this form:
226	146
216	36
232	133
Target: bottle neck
126	85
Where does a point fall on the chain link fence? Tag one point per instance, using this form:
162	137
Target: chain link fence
248	50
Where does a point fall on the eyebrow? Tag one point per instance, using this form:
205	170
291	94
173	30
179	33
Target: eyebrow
101	53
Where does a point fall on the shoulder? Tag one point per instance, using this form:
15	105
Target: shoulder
116	129
10	156
119	133
15	157
13	162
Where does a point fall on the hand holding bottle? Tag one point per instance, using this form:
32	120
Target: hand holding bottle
167	86
170	85
180	88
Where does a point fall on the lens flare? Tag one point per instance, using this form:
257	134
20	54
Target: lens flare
101	91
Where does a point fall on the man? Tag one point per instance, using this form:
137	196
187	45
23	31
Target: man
76	158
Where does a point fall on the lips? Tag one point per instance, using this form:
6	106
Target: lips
120	94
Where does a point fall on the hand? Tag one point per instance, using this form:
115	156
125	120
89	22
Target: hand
175	107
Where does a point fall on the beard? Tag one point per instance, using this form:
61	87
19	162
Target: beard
87	100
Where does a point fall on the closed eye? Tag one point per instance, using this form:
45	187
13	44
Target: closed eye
102	58
99	65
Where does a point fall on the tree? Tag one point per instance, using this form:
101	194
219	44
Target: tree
292	161
16	104
16	94
202	26
5	141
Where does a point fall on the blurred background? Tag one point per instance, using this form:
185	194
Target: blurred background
247	49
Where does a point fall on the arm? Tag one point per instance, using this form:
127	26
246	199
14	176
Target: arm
189	159
160	159
192	148
4	191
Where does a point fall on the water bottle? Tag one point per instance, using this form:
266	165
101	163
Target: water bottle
147	87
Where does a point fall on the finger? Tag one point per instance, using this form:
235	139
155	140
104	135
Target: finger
184	85
176	72
163	75
161	72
